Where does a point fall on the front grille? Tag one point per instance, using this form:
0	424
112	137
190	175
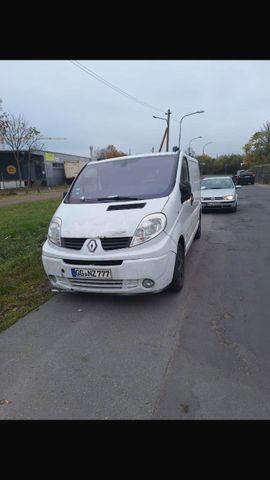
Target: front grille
72	243
93	262
109	243
113	243
212	198
96	283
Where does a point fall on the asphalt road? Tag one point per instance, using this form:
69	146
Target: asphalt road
200	354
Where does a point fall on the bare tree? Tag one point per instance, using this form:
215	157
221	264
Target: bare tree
33	142
1	121
18	135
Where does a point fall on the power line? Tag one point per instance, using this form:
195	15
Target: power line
113	87
117	89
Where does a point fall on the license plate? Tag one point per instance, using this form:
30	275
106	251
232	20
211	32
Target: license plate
213	204
90	273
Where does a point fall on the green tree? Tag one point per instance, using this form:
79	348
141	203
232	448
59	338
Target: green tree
222	165
206	164
257	150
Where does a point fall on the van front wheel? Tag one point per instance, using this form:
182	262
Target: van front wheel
178	274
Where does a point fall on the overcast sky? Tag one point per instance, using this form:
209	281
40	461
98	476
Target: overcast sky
61	100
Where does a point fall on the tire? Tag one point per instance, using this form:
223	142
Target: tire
199	229
234	209
179	269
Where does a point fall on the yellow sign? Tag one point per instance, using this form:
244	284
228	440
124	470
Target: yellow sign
11	169
49	157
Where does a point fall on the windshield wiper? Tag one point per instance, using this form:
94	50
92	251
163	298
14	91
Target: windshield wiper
113	198
88	199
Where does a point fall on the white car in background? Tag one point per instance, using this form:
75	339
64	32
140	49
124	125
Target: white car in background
218	193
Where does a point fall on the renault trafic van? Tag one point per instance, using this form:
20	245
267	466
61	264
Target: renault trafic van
126	225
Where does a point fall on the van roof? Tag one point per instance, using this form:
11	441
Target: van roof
155	154
215	177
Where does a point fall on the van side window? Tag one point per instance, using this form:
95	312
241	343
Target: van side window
184	171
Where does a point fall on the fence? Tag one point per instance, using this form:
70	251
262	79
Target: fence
262	173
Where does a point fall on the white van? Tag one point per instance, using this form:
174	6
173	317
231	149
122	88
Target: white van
125	225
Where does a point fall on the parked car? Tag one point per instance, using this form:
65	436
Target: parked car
244	177
219	193
125	225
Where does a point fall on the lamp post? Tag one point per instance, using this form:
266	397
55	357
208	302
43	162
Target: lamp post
187	115
205	146
91	152
192	141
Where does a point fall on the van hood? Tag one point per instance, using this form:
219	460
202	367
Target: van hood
93	220
217	192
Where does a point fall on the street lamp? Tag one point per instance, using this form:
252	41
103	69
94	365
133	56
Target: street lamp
161	118
187	115
192	141
205	146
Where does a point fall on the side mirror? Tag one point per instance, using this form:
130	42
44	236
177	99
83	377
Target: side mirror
64	194
185	189
237	186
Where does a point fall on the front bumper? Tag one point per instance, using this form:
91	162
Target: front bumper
218	205
126	278
244	181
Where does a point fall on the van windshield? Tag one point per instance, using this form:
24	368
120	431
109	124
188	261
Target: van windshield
217	183
125	179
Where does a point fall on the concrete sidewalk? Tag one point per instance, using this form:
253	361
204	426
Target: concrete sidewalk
262	185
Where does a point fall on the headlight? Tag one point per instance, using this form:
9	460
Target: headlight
228	197
54	232
150	227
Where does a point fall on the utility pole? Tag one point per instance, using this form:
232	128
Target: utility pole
167	131
164	136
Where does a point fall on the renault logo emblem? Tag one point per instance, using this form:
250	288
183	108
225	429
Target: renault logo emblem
92	245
